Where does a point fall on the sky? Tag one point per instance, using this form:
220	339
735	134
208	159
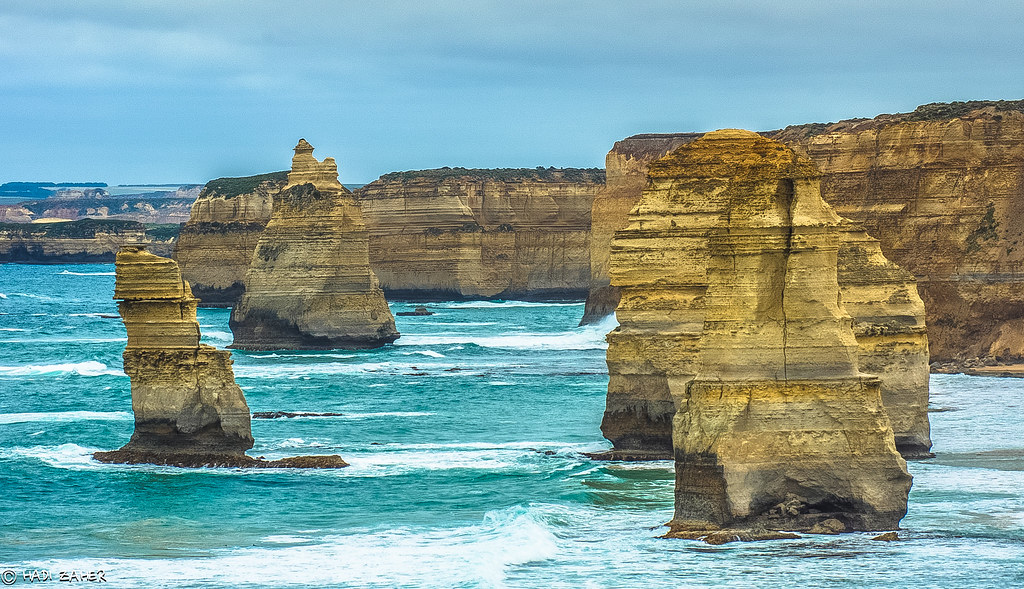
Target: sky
185	91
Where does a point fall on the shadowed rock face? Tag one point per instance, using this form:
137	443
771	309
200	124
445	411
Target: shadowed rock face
731	316
186	403
309	285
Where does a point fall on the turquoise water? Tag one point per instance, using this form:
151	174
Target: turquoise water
467	478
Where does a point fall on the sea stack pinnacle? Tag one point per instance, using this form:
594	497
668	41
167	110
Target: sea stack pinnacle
731	322
188	409
309	285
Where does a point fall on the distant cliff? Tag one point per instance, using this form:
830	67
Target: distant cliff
434	234
942	188
76	242
217	243
465	233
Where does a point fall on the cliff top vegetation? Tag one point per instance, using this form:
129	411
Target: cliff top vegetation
232	187
539	173
88	228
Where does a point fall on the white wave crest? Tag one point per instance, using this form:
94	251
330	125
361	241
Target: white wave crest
503	304
64	417
430	353
70	273
87	368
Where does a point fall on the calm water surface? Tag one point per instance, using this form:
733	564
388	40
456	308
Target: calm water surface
465	441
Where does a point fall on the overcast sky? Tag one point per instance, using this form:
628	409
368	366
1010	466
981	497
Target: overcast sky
183	91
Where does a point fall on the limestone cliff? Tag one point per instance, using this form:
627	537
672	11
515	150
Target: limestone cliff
186	402
503	233
309	285
216	245
942	188
660	263
79	242
729	277
626	177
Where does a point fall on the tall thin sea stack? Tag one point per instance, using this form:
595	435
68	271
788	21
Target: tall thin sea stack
309	285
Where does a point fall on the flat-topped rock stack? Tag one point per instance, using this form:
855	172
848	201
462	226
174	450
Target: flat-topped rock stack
309	285
188	409
732	331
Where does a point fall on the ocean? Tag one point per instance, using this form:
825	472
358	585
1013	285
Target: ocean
466	441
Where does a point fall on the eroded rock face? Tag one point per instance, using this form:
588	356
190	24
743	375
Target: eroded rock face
184	395
942	188
661	260
309	285
732	328
506	233
215	246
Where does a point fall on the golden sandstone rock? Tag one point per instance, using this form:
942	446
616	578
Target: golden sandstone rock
186	403
731	320
309	285
455	233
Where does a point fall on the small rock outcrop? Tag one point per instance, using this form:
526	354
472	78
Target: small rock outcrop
309	285
732	327
188	409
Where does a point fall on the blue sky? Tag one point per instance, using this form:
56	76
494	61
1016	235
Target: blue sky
184	91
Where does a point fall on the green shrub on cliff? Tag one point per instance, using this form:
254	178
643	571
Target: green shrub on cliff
232	187
81	229
539	173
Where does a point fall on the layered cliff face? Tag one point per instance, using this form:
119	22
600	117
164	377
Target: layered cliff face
504	233
215	247
309	285
660	263
730	306
186	403
626	177
942	188
78	242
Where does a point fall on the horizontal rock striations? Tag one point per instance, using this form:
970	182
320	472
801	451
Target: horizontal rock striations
309	285
188	410
660	259
216	245
729	269
184	395
454	233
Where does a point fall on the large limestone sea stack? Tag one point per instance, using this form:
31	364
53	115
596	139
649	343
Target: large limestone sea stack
310	285
732	321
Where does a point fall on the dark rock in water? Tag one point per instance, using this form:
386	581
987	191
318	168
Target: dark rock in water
419	312
830	527
719	537
629	455
887	537
281	414
218	461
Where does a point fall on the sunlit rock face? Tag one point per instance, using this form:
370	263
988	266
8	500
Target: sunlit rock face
186	403
309	285
215	246
455	233
732	330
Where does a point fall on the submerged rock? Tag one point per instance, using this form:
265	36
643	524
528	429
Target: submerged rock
732	330
418	312
310	285
188	409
